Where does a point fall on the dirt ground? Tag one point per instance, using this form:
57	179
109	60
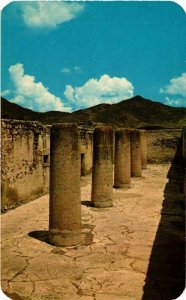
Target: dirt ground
133	250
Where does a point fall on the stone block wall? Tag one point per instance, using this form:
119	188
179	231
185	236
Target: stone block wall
25	162
86	148
163	145
25	157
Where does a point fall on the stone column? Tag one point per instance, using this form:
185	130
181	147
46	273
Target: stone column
102	171
65	201
122	168
4	199
143	149
135	153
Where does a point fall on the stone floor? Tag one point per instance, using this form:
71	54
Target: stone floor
129	251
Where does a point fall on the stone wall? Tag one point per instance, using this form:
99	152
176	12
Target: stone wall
162	145
26	160
26	157
86	148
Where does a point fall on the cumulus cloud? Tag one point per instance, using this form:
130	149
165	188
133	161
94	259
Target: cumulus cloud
95	91
177	86
31	94
49	14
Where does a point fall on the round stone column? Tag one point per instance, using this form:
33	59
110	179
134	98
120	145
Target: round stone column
65	201
102	171
122	168
135	153
143	149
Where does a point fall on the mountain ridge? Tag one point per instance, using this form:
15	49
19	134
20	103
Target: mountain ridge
135	112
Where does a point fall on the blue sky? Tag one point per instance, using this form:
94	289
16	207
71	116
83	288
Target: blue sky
68	56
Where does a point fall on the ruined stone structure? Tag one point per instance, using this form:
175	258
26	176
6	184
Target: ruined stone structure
122	167
162	144
86	149
26	157
135	153
143	149
102	172
65	200
114	254
25	162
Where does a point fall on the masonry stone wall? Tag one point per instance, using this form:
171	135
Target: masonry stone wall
25	157
162	145
86	149
26	160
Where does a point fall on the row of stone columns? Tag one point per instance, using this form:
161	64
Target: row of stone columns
65	200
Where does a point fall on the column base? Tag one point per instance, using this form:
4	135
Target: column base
64	238
122	185
136	175
102	204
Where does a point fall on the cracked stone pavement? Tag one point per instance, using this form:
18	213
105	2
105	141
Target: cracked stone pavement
113	259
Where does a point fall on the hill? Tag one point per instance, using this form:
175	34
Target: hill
13	111
135	112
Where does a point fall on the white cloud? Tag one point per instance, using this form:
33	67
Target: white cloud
180	102
66	70
104	90
75	69
49	13
31	94
177	86
5	93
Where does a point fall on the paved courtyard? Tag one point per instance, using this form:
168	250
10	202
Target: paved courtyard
134	250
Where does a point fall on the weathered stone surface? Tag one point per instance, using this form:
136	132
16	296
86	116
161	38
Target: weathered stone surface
128	240
122	166
102	172
26	157
143	136
65	202
86	149
135	153
162	144
25	162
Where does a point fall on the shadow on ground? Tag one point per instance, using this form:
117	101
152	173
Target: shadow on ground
41	235
86	203
165	279
87	236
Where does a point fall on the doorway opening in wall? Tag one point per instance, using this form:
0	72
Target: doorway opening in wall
45	159
82	164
